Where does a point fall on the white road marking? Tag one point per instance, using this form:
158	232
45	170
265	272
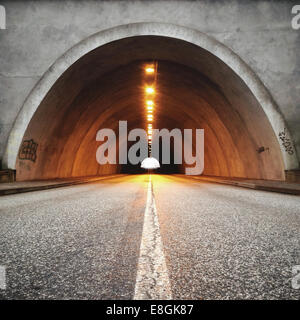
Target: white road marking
152	281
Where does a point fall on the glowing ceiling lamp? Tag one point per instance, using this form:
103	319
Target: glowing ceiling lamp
149	69
149	90
149	103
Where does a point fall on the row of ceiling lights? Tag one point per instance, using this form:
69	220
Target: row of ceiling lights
150	71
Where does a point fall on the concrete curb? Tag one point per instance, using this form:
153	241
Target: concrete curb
251	185
243	184
11	191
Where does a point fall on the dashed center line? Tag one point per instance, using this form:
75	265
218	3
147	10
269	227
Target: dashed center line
152	281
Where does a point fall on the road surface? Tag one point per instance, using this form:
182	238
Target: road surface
127	238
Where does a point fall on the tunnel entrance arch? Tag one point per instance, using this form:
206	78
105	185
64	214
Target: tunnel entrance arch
287	160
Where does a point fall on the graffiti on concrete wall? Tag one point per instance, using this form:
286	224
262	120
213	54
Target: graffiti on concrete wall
286	142
28	150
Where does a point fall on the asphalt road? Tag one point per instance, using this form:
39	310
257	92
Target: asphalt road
83	242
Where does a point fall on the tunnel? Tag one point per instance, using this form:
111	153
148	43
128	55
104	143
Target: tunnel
195	89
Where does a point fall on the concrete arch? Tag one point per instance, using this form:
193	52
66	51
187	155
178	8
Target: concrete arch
147	29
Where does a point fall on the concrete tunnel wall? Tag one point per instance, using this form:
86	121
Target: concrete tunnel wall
195	90
39	32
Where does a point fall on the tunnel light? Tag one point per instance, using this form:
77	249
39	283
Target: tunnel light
149	90
149	103
149	70
150	163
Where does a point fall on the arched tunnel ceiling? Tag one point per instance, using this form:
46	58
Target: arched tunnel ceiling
195	90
